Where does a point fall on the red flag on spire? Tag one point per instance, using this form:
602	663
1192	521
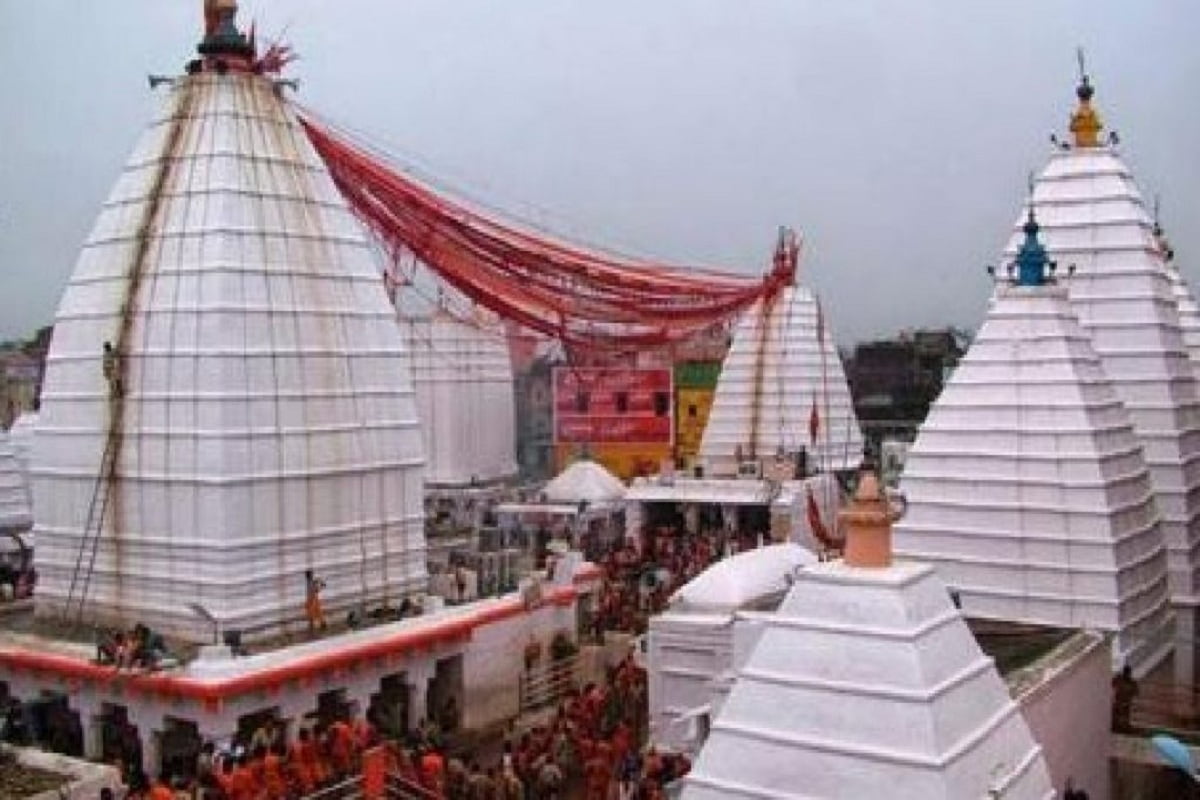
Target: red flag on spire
814	422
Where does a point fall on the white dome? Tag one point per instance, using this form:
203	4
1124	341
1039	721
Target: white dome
772	405
740	580
1027	488
14	498
584	481
464	385
867	683
268	423
1093	218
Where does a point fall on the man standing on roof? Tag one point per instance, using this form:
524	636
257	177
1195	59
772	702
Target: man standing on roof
312	601
112	370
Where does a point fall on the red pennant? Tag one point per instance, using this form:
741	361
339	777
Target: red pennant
814	422
816	524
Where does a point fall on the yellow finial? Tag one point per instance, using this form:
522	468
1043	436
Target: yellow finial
1085	122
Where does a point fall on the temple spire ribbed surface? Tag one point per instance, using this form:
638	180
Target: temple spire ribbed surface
258	412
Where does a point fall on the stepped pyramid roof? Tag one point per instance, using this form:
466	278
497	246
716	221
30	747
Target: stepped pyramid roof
1093	218
1027	487
867	683
464	384
1185	302
14	495
782	364
259	400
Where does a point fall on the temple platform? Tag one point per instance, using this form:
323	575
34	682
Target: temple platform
468	657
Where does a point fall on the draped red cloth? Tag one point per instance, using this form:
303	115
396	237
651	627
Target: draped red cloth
580	296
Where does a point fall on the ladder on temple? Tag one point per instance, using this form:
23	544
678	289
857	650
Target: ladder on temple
85	559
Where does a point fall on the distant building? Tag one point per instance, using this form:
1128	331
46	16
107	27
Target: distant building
20	383
535	417
695	364
894	381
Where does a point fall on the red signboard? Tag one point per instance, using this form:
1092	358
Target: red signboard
596	404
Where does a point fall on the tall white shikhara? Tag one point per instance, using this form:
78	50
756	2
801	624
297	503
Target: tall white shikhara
1094	219
266	423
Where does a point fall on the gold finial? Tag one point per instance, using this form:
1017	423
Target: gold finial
1085	122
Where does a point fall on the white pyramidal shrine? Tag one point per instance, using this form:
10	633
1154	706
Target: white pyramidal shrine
867	683
464	384
1026	486
258	410
782	365
14	496
1093	219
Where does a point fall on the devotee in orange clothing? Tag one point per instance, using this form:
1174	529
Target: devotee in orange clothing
303	762
597	775
312	601
274	781
341	747
243	786
374	770
432	769
225	779
160	791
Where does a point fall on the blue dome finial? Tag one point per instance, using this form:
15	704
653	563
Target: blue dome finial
1031	258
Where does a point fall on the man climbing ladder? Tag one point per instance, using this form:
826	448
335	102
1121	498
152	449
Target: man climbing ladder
112	370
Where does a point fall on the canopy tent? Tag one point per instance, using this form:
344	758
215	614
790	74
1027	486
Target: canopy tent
585	481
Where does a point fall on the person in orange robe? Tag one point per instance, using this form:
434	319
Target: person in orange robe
374	771
243	785
313	610
303	763
274	780
341	747
432	768
597	775
160	791
225	778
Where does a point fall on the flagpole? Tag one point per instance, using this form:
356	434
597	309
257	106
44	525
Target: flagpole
827	454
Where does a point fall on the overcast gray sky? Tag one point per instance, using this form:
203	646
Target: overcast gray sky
896	136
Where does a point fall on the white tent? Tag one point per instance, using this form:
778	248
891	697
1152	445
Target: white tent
584	481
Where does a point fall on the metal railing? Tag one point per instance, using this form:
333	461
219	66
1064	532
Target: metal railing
400	788
544	684
396	787
1162	706
348	789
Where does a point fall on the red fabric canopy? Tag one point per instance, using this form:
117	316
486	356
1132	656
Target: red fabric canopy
586	299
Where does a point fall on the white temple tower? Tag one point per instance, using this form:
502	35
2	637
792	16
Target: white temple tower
783	381
14	496
867	683
1027	487
1093	218
463	379
257	417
